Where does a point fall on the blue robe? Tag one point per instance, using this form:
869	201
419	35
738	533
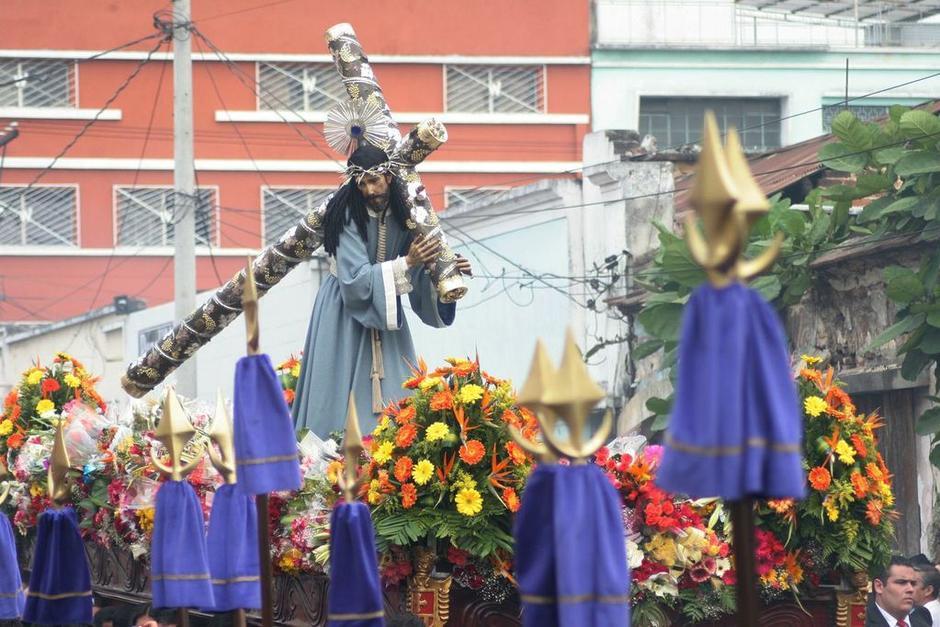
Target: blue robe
338	351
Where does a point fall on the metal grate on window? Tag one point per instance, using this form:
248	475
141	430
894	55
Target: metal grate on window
678	121
148	337
37	83
865	113
146	216
456	198
284	207
38	216
495	88
299	86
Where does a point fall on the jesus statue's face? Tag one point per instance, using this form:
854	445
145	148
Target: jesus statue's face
375	190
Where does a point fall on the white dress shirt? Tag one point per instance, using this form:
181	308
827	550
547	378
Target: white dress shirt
934	608
891	620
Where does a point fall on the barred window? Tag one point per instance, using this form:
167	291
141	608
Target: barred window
865	113
38	216
455	198
678	121
495	88
284	207
148	337
299	86
37	83
146	216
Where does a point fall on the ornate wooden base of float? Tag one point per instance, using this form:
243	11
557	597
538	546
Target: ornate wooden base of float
117	576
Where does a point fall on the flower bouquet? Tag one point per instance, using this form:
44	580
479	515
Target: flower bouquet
288	372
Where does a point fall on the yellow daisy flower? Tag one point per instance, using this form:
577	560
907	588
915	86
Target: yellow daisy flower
72	381
422	472
383	453
809	360
6	427
469	502
469	393
436	431
845	452
44	406
814	406
34	377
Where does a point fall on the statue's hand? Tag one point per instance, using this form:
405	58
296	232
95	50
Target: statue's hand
422	251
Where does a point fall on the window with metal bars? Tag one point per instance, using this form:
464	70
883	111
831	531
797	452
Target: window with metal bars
865	113
38	216
148	337
678	121
146	216
456	197
495	88
37	83
284	207
299	86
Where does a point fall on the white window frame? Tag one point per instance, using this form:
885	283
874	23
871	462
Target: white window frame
542	108
215	231
264	188
78	220
304	109
448	189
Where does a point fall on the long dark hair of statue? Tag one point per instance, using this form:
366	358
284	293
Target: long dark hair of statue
348	203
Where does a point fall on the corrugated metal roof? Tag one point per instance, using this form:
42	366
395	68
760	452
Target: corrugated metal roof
876	10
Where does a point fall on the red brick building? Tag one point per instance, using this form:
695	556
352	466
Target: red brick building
510	80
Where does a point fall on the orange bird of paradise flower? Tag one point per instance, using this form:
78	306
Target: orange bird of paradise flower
498	472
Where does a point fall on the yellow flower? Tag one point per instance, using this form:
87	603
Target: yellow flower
845	452
814	406
436	431
469	393
6	427
375	495
810	360
464	480
72	381
295	371
35	490
44	406
831	510
422	472
428	383
379	428
333	469
383	453
145	519
35	376
663	550
469	502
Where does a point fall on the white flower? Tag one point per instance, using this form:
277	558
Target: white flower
722	565
663	585
634	555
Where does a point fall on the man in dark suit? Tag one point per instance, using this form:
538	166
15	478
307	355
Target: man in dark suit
893	601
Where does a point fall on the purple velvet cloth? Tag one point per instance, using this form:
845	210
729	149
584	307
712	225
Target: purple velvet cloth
571	556
233	551
736	428
11	586
265	443
179	566
355	595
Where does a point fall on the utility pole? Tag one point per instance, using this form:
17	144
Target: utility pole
184	208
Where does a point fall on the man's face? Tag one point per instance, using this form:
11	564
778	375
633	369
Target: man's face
922	594
375	190
896	595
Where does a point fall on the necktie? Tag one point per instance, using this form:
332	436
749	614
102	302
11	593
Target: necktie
901	623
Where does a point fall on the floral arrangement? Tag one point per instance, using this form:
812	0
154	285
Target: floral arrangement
677	548
288	372
41	395
441	466
846	521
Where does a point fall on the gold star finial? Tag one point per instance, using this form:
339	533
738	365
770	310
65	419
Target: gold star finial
174	432
221	434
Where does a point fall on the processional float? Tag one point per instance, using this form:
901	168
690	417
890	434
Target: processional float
365	118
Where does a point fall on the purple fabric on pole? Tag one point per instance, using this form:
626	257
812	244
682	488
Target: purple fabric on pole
11	586
179	566
736	427
571	556
60	580
355	595
233	551
265	444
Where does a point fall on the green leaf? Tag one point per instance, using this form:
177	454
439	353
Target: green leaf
929	272
895	330
854	134
918	162
935	456
842	158
791	222
930	343
929	422
661	320
933	319
872	211
913	364
860	230
903	285
872	183
819	228
768	286
660	423
659	406
646	349
889	156
919	124
895	112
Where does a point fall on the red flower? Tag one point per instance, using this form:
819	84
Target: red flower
730	577
472	452
409	495
457	557
289	397
820	478
601	456
15	440
10	399
49	386
859	445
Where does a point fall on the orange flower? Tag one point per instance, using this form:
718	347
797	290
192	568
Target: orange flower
15	412
463	367
873	512
781	506
874	472
442	400
409	495
516	453
859	484
289	396
814	376
406	435
511	499
407	414
418	373
819	478
10	399
472	452
511	419
403	469
15	440
859	445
